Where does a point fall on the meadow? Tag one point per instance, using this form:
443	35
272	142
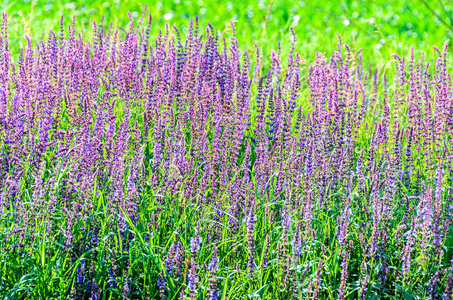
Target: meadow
282	151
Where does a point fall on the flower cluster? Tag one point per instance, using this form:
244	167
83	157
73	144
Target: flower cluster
181	165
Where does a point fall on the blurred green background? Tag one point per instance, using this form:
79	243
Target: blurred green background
401	23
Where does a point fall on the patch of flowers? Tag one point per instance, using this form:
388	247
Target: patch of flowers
182	167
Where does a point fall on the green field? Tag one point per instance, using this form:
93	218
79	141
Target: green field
402	24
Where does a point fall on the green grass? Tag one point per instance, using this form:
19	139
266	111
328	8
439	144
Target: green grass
401	23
